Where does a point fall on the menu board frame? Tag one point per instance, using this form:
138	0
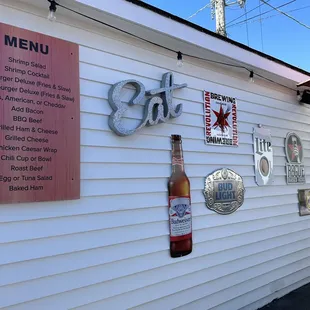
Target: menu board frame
39	117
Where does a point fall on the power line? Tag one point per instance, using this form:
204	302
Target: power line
261	28
267	17
201	9
169	49
245	14
246	24
231	3
113	27
232	9
289	16
259	15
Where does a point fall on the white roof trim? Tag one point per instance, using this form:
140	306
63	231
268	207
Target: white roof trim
146	18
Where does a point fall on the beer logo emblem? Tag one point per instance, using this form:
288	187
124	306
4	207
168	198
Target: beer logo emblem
180	210
224	173
264	166
221	119
295	170
263	156
293	149
224	191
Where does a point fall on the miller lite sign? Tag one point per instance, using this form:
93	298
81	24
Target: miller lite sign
263	156
295	170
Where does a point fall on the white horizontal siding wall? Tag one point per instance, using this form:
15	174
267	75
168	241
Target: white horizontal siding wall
110	249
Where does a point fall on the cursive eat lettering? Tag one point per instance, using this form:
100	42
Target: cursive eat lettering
157	109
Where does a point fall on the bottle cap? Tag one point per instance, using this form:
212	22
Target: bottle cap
176	138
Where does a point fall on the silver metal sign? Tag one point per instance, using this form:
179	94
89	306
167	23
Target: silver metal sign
263	156
224	191
157	109
295	170
304	201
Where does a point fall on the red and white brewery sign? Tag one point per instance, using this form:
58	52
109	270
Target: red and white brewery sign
221	126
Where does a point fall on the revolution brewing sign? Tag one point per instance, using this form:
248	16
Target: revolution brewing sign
39	120
220	113
263	156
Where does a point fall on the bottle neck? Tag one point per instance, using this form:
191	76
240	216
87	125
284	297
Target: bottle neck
177	157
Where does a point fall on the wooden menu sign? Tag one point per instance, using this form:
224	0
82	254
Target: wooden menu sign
39	117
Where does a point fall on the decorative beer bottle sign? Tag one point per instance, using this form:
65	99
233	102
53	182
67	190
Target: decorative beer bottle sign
180	213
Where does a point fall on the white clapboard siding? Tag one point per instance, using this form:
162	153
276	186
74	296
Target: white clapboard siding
218	283
135	279
265	291
110	249
45	211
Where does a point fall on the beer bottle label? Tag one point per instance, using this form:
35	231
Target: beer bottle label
177	161
180	216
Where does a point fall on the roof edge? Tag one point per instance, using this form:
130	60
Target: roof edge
215	35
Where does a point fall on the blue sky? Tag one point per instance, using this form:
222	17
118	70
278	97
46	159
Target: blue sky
283	38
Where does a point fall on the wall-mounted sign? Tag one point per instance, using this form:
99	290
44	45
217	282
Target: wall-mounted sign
180	210
158	108
221	127
295	170
224	191
304	201
39	117
263	156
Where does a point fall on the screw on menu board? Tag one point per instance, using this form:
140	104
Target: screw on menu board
39	120
180	212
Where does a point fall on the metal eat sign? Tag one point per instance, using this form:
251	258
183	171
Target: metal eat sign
158	108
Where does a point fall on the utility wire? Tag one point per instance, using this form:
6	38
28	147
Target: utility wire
201	9
261	27
259	15
231	3
156	44
287	15
167	48
246	24
232	9
245	14
267	17
113	27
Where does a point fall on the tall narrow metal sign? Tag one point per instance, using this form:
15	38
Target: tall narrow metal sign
39	117
221	125
263	156
295	169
